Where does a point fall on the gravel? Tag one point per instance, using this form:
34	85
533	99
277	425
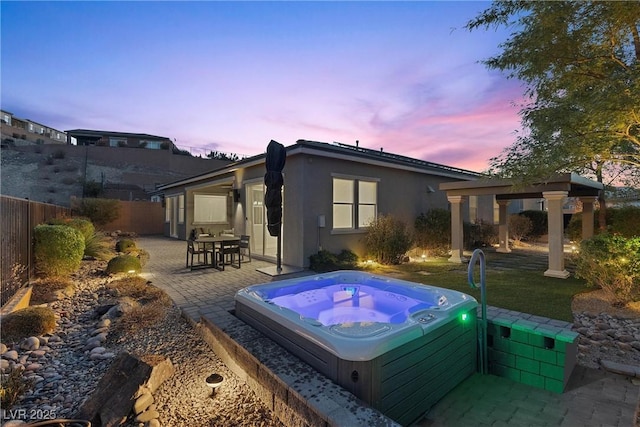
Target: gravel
68	365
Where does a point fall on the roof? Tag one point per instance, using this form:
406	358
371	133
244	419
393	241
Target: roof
343	151
574	184
100	133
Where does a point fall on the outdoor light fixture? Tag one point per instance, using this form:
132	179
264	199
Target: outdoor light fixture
424	257
214	381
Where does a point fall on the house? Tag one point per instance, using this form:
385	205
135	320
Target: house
331	192
16	130
121	139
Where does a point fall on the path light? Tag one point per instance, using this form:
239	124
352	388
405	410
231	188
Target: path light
424	257
214	381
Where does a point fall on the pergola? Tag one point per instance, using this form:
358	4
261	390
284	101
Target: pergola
555	191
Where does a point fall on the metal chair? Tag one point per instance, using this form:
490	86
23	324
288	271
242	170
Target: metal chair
228	249
193	249
245	248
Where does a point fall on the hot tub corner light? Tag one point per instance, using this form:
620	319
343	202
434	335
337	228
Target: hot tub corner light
464	317
214	381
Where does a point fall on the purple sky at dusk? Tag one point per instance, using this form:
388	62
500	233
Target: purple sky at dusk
230	76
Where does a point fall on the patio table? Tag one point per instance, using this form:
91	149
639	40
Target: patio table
216	242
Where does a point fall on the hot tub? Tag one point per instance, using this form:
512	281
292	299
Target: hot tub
399	346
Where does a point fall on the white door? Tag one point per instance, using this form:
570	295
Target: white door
262	243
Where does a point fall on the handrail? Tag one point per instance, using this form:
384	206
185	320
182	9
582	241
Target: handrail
478	256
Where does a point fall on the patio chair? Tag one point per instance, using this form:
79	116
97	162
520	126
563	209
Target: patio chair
193	249
245	248
228	251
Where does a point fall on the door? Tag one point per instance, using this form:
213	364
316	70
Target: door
262	243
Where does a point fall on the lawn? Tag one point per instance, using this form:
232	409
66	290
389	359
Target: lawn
511	288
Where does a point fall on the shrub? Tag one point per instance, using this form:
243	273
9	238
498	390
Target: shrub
520	226
347	259
12	387
433	231
58	249
82	225
612	263
28	322
539	222
98	246
479	235
323	261
51	289
124	264
387	239
326	261
125	245
99	211
626	221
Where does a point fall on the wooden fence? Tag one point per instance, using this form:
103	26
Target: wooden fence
18	217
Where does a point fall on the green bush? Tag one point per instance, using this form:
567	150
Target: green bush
323	261
347	259
387	240
13	386
479	235
84	226
539	222
625	221
125	245
612	263
326	261
58	249
124	264
520	227
98	246
99	211
433	232
28	322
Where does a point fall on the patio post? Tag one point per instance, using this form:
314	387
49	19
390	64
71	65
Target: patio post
457	236
503	227
555	201
587	216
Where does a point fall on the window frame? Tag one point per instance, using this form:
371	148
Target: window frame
357	226
218	201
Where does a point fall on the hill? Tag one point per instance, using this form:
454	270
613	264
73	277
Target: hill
55	173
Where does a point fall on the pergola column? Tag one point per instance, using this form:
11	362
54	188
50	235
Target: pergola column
555	201
503	227
587	216
457	237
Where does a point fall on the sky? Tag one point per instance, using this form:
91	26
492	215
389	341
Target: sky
231	76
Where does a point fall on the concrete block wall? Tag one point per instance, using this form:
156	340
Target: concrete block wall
532	350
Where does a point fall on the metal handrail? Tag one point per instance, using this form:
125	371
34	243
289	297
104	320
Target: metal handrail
478	255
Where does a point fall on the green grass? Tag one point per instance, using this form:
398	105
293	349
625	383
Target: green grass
514	289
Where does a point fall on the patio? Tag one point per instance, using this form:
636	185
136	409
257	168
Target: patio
301	396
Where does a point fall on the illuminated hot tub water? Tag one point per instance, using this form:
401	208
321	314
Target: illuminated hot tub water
399	346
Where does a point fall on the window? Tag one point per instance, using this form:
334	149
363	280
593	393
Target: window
209	208
181	209
153	145
167	209
117	142
347	214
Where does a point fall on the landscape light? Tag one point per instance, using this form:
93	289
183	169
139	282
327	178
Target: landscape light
214	381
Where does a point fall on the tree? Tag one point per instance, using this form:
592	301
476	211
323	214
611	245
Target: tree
580	62
219	155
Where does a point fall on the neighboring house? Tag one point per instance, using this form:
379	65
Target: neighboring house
331	192
121	139
16	130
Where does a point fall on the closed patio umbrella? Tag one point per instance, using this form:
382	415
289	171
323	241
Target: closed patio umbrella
274	162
